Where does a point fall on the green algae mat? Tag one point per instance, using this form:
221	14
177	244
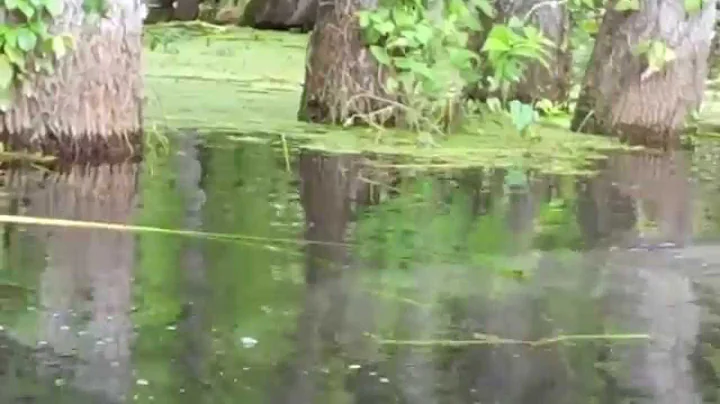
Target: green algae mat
246	84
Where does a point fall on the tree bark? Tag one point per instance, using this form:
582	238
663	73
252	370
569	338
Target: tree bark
538	82
621	98
90	108
342	79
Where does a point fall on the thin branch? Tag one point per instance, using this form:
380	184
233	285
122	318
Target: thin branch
537	6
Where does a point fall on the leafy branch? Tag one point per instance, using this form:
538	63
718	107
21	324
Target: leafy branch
26	44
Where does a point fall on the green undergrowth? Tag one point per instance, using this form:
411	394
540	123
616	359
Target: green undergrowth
236	80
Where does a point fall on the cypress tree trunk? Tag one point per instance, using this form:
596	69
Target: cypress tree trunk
342	79
622	97
91	106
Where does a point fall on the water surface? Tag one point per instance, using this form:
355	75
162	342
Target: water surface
344	264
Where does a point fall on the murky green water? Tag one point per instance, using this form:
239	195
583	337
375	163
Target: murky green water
356	282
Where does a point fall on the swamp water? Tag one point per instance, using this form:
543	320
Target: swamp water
354	283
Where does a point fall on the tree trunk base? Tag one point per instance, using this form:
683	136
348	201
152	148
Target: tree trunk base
89	108
636	135
343	82
626	98
89	149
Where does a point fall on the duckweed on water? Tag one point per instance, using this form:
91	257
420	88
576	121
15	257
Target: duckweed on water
242	81
235	80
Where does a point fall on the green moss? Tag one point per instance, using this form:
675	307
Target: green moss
242	81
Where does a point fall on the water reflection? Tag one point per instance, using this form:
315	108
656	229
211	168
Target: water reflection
646	201
334	315
387	257
639	200
84	292
194	322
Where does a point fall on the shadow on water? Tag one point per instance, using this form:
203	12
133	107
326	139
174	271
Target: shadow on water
403	287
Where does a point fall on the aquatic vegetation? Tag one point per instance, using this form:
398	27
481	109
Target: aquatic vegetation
491	145
236	80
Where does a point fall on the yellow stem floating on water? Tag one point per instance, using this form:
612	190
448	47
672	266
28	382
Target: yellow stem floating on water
42	221
484	339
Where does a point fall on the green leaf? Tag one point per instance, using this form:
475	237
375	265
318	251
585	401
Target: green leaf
14	55
11	37
693	6
398	42
11	4
627	5
380	54
455	7
385	27
363	19
402	18
503	34
380	15
424	33
495	45
58	46
5	99
54	7
472	23
485	7
410	38
26	39
522	115
40	28
404	63
421	69
533	54
372	36
658	55
26	8
590	26
69	40
6	72
641	47
461	57
515	22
